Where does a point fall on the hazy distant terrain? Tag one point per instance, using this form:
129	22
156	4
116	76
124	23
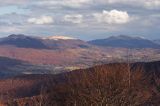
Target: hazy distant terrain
12	67
59	54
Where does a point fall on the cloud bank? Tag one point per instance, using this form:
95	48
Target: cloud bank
86	19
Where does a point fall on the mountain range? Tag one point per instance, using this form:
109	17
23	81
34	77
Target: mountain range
57	42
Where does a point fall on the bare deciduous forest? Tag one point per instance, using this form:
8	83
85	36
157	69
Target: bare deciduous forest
105	85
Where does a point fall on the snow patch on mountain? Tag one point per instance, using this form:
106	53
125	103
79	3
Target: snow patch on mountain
59	38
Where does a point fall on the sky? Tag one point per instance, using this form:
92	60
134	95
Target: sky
83	19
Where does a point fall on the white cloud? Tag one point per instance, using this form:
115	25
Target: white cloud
112	17
67	3
75	18
149	4
41	20
75	3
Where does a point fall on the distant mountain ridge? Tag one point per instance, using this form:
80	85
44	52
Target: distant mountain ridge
64	42
123	41
22	41
53	42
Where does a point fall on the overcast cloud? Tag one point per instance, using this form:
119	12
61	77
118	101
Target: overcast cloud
84	19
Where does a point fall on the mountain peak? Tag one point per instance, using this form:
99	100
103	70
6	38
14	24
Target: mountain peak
124	41
23	41
59	38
